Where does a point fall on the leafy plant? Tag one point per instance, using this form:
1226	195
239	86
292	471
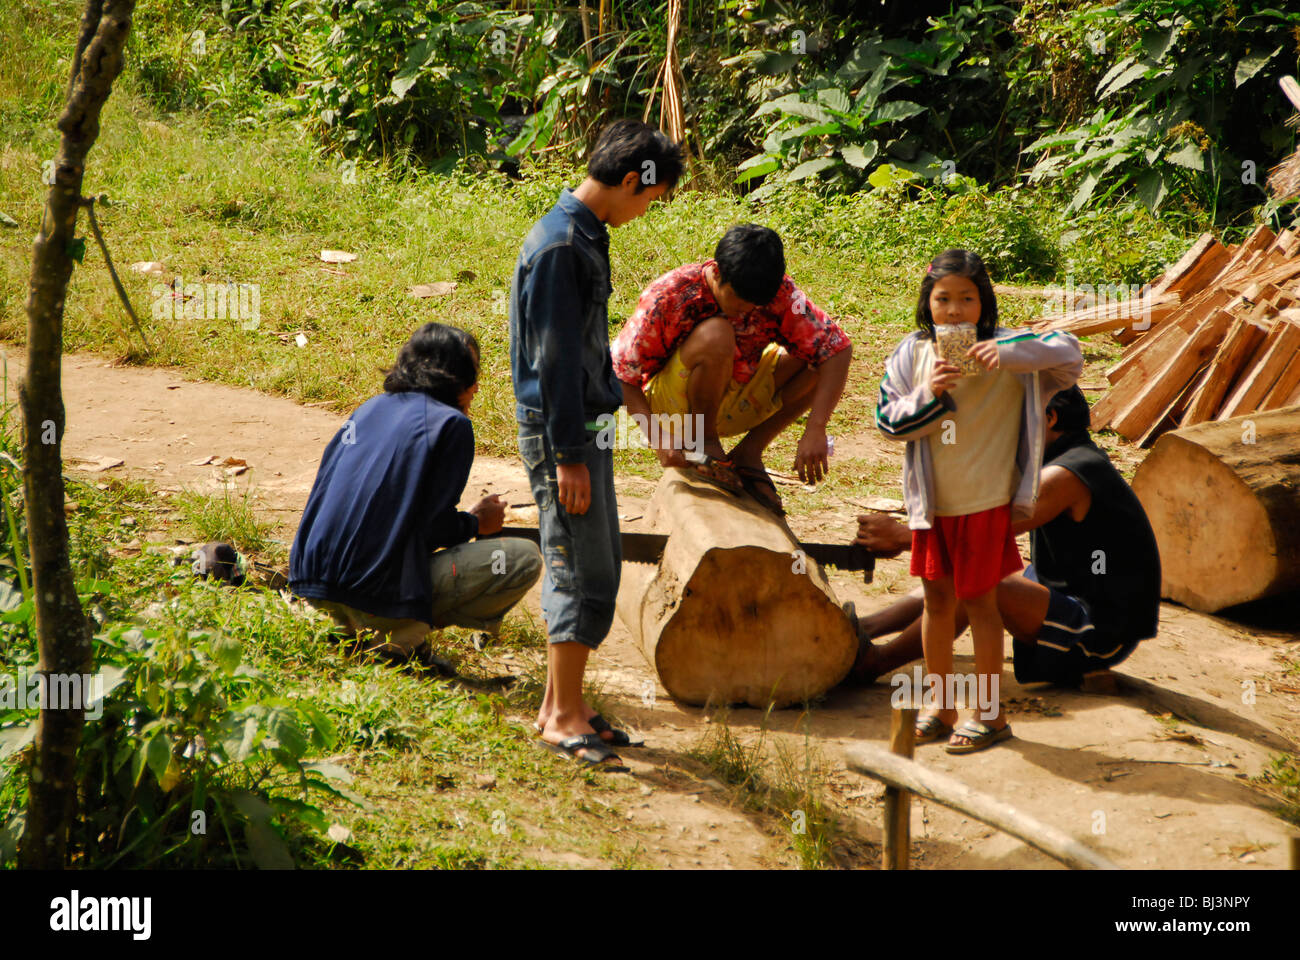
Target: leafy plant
841	122
189	757
438	96
1180	107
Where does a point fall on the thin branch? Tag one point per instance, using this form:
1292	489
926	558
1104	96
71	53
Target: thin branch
89	204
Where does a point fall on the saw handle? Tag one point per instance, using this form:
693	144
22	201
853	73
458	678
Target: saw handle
868	562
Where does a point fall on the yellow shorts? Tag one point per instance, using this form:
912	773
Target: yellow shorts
744	405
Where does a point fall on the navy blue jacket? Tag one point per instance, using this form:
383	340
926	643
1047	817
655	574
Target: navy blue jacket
559	327
384	499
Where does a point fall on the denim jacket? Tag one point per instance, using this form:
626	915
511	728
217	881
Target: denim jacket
908	410
559	327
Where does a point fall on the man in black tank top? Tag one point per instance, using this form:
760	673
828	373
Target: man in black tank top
1092	590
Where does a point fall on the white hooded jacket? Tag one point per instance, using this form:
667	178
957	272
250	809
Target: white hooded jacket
1044	364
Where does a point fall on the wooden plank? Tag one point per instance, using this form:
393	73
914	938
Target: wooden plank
1245	256
1198	308
1277	351
1286	243
1202	261
1169	418
921	781
1141	313
1160	390
1287	381
1241	342
1279	275
1125	335
1171	340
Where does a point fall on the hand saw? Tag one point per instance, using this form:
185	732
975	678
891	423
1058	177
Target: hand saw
649	547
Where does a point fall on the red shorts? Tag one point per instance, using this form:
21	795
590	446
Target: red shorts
977	550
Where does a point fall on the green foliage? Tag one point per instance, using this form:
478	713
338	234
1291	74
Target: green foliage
190	758
840	122
429	78
1282	780
231	57
1186	109
225	518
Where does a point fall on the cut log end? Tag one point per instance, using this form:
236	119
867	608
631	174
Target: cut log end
1223	500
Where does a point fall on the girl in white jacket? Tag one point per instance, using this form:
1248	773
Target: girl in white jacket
974	448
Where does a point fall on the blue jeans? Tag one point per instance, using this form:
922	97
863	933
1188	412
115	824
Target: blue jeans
582	554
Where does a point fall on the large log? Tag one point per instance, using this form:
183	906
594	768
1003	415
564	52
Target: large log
1223	498
733	613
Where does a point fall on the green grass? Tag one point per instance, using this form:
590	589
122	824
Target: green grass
255	204
230	519
418	749
785	787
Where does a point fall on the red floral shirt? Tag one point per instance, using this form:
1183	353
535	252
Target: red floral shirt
670	308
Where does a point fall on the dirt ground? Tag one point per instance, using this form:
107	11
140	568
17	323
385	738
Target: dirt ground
1108	770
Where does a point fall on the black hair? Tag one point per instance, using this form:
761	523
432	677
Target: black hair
1071	408
630	146
439	360
962	263
751	258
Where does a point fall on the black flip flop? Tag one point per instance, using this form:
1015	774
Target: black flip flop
594	754
757	483
619	738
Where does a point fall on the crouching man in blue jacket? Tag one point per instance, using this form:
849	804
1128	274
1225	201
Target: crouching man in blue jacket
385	500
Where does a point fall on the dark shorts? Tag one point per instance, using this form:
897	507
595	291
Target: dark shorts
1069	644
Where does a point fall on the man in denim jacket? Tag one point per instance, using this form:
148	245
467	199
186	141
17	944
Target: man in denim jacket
564	381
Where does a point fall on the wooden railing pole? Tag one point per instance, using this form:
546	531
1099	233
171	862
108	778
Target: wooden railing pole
898	819
906	774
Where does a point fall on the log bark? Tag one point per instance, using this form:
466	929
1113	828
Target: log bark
733	613
63	633
1223	498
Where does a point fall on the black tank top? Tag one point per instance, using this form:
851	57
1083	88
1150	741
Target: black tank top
1109	559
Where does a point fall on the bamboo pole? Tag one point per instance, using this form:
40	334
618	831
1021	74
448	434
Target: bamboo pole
909	775
902	740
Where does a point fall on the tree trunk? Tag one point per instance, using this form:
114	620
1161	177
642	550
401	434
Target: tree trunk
62	630
1223	498
734	612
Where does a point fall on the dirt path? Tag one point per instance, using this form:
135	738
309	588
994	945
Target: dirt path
1146	791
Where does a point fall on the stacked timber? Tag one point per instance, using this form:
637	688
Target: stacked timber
1216	337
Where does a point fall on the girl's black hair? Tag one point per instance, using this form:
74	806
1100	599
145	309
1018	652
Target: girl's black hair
961	263
439	360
